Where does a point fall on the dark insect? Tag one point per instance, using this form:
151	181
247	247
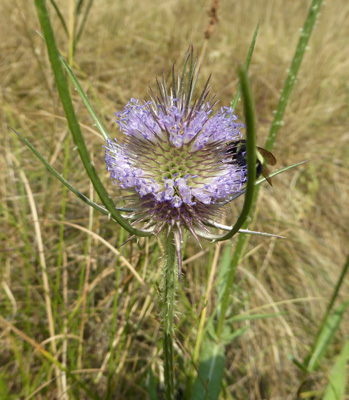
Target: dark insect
237	150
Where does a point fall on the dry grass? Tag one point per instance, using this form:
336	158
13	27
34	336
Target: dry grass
124	46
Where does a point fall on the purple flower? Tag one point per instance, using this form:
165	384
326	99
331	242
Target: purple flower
173	159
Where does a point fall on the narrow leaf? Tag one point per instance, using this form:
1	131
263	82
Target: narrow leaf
84	99
82	24
152	386
279	171
327	326
60	177
255	316
327	333
337	381
60	16
208	383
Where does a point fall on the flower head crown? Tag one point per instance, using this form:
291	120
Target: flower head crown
173	159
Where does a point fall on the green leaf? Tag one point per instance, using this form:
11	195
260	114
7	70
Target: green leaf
83	22
336	387
60	16
255	316
3	388
229	334
279	171
207	385
328	324
326	335
60	177
152	386
84	98
297	363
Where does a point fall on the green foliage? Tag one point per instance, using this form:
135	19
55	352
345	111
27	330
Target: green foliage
325	337
338	377
210	373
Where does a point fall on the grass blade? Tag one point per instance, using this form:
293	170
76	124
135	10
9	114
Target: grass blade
327	333
82	24
329	324
57	175
84	98
336	387
60	16
209	380
279	171
152	386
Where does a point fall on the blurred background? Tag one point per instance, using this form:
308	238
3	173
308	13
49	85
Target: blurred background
59	276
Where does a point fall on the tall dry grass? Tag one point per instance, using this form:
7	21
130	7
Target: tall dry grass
124	46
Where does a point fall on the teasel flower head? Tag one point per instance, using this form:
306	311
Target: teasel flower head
173	158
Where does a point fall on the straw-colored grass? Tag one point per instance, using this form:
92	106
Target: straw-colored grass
109	314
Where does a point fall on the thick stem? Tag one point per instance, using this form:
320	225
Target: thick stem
170	279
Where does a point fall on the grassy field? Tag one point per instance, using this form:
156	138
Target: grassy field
66	284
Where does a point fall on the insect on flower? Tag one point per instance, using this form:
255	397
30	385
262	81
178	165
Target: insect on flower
237	150
173	158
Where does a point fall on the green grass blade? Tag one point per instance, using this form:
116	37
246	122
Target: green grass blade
152	386
247	65
279	171
72	120
337	381
327	333
251	153
292	75
60	16
208	383
47	355
78	7
57	175
82	24
297	363
328	323
69	186
84	98
256	316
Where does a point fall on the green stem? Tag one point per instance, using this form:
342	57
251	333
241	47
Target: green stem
277	123
293	72
311	359
247	65
170	279
73	123
251	154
